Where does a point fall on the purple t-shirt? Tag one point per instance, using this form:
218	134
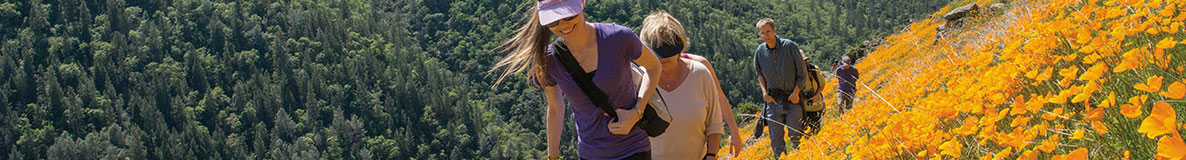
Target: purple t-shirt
848	75
617	46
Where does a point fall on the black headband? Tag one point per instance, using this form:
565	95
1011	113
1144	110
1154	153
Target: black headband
664	51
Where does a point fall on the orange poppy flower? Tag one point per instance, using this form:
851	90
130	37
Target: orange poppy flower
1049	144
951	148
1086	92
1077	154
1110	101
1069	72
1020	121
1162	120
1131	60
1166	43
1094	114
968	128
1094	73
1077	135
1152	31
1174	91
1171	147
1099	127
1133	109
1152	85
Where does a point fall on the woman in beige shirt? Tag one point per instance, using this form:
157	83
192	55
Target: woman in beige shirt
691	92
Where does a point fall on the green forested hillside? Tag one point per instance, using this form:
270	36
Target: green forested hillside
335	79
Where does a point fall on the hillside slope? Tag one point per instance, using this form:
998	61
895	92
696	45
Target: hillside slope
1042	79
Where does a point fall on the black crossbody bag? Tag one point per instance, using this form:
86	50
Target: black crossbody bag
651	121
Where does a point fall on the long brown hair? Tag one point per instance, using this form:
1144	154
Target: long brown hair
526	49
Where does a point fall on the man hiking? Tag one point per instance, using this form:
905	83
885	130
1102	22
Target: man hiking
781	71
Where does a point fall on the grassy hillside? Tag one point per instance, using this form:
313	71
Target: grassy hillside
1042	79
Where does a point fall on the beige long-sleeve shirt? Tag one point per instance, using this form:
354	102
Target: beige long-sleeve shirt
695	115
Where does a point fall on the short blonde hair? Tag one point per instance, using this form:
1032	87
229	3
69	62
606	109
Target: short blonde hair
662	29
765	22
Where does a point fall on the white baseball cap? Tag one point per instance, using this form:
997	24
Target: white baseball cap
554	10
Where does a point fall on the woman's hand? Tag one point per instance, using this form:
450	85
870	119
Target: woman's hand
626	120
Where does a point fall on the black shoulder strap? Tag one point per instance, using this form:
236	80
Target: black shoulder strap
582	79
812	71
815	77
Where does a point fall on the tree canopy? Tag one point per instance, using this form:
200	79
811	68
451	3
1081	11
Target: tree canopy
335	79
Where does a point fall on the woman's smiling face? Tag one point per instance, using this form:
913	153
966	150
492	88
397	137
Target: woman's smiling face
566	26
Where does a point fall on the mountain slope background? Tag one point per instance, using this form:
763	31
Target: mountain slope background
335	79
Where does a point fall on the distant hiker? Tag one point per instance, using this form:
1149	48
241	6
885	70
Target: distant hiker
693	95
780	72
813	108
835	63
846	78
605	51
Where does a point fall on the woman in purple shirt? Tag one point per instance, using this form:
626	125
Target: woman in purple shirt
603	50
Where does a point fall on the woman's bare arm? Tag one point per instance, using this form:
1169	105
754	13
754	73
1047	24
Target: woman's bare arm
725	108
554	119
